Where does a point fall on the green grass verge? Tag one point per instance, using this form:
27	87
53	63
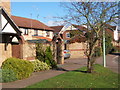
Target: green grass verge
103	78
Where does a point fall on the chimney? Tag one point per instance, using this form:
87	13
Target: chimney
6	5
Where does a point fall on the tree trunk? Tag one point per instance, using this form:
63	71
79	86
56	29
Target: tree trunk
89	65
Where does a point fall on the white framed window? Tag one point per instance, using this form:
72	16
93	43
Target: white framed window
67	35
35	32
25	31
48	33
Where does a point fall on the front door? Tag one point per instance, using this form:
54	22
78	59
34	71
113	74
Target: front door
16	50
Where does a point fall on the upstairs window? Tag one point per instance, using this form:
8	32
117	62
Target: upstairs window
35	32
26	32
48	33
67	35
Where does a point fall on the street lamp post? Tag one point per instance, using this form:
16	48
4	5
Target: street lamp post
104	57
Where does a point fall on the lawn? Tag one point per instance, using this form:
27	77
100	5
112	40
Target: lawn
102	78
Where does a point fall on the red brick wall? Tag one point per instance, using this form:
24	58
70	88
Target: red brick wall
64	35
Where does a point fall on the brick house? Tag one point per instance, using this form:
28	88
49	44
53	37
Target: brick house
33	29
29	27
76	49
8	30
18	29
57	29
64	31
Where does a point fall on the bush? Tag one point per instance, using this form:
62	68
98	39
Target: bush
7	75
39	66
45	54
22	68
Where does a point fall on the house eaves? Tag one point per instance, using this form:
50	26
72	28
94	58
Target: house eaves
10	21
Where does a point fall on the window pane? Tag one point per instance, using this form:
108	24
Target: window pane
68	35
36	32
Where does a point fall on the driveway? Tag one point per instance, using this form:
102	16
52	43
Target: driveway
112	62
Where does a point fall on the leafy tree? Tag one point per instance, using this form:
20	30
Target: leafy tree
96	16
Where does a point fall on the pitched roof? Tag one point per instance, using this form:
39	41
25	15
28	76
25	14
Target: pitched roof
29	23
10	21
57	29
110	30
77	38
111	27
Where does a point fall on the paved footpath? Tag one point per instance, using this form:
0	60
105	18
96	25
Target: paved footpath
70	64
111	62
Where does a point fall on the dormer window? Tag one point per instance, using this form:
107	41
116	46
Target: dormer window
25	31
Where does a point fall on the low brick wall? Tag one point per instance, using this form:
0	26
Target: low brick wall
77	50
29	51
4	54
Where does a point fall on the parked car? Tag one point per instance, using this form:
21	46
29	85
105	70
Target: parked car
66	54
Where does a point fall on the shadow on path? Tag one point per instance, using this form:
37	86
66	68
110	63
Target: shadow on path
62	69
80	71
115	54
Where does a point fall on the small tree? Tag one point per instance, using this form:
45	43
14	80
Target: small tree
40	52
44	53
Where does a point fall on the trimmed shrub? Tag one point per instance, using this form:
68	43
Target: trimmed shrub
7	75
22	68
39	66
49	58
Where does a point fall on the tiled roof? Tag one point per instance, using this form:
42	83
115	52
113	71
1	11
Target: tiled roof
57	29
110	30
29	23
78	38
39	37
111	27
